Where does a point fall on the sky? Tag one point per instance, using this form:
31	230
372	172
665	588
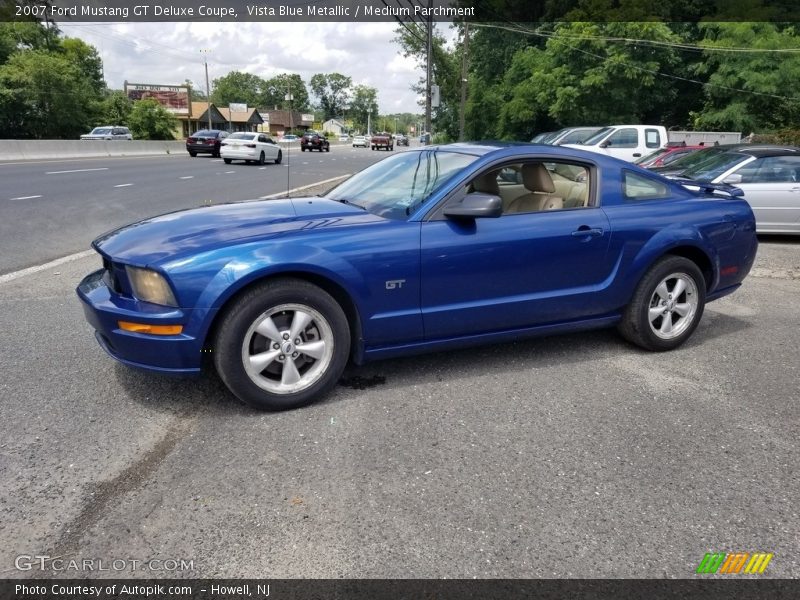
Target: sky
169	53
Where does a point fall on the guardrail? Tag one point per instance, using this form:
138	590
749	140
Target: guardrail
44	149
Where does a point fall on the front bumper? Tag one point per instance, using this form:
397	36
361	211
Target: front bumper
103	308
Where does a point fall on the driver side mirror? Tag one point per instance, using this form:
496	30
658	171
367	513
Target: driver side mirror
475	205
605	144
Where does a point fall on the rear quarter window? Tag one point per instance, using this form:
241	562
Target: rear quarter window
637	187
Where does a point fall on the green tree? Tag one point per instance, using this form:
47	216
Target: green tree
750	91
333	91
238	87
364	107
87	61
149	120
277	87
115	108
446	73
17	36
43	95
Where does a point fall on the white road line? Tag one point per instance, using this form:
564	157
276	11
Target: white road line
53	263
227	172
76	171
26	198
303	187
123	185
187	177
261	168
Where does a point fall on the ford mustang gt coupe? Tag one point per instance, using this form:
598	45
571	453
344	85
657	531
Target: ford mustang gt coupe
437	248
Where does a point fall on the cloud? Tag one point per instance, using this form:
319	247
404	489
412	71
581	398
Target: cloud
169	53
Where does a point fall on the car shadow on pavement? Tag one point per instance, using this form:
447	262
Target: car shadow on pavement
206	394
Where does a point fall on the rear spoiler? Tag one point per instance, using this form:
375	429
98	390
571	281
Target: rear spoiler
710	188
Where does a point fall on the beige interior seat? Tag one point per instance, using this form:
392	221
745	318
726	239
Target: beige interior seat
540	188
486	183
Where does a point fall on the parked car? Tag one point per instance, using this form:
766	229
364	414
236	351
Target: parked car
627	142
360	140
695	160
205	141
344	138
544	137
108	132
288	138
251	147
570	135
769	178
312	140
664	156
435	248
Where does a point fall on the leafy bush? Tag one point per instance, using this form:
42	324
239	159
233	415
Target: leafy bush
781	136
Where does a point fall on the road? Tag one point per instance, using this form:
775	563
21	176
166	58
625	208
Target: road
50	209
570	456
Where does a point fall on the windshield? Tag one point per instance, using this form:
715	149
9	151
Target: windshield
577	136
695	159
395	186
597	137
100	130
715	166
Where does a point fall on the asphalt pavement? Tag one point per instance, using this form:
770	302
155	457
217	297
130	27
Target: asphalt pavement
568	456
50	209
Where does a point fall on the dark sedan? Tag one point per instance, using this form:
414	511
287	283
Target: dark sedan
205	141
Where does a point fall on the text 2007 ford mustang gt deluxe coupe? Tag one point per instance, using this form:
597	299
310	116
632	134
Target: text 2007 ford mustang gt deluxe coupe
442	247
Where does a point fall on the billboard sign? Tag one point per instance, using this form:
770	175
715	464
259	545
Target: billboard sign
175	98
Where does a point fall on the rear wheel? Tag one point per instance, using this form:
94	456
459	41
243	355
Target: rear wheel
227	161
262	159
280	158
192	154
667	305
282	345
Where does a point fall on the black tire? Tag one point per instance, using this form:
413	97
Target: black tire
262	160
227	160
653	319
192	154
275	305
328	148
302	148
280	158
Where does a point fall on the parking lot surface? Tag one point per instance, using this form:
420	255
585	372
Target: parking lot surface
569	456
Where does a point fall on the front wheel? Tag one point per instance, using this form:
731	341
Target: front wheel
667	305
280	158
282	345
227	160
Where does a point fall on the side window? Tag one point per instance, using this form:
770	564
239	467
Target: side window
652	139
774	169
541	186
262	138
636	187
624	138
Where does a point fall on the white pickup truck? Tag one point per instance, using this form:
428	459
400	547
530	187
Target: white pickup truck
627	142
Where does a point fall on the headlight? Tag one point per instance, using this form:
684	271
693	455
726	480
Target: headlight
150	286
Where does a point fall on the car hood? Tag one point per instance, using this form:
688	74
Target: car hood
208	228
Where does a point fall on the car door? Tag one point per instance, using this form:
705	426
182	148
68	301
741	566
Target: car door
515	271
268	147
771	186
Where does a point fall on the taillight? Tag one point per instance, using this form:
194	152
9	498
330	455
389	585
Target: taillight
191	140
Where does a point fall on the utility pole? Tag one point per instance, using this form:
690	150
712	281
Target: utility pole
429	69
464	70
205	52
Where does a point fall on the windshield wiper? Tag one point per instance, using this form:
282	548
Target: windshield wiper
350	202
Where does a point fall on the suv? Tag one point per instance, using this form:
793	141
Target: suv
312	140
205	141
108	132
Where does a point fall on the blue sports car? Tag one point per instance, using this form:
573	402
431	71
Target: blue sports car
436	248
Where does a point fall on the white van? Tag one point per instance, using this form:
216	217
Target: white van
627	142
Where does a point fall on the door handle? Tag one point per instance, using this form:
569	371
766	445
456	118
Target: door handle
585	230
637	154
